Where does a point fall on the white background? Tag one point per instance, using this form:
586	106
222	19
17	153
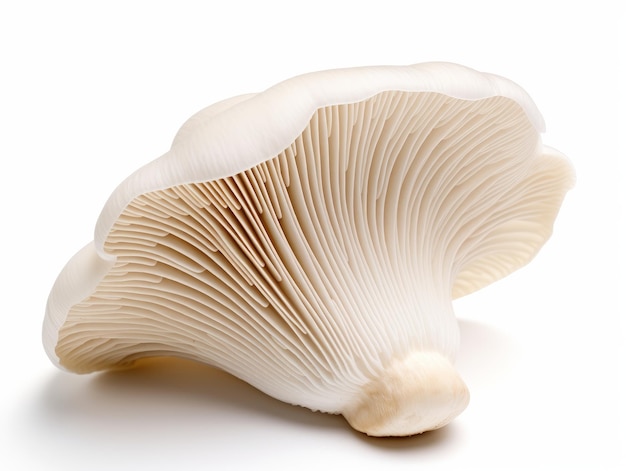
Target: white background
89	91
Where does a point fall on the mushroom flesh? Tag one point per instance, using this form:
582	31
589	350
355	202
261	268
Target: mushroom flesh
310	239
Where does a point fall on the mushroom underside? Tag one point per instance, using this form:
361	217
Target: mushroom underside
323	271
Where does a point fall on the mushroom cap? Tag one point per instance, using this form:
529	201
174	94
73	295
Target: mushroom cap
309	240
238	133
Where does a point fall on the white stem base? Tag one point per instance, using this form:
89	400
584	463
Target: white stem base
419	393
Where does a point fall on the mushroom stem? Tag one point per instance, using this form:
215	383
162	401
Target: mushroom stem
418	393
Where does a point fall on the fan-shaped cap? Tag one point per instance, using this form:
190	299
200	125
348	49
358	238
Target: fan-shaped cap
309	239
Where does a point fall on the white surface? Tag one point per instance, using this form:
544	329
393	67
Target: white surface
90	93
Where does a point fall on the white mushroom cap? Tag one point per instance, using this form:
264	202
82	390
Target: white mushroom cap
309	240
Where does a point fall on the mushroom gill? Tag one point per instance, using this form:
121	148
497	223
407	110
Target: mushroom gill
324	275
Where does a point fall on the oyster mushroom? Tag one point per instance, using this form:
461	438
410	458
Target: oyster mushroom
310	239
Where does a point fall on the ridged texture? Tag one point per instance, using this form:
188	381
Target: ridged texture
236	134
306	275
